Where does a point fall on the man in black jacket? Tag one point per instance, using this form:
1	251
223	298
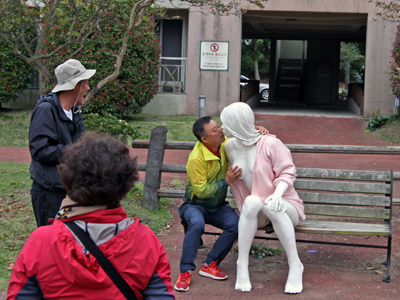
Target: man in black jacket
56	121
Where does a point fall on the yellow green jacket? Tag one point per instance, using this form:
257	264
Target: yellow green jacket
206	172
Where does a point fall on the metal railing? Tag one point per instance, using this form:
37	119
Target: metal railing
171	77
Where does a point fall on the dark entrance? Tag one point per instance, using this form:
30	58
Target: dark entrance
305	54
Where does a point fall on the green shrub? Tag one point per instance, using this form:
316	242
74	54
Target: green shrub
137	82
377	121
260	251
15	73
394	74
110	124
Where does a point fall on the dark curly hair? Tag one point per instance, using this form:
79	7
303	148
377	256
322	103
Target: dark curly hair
97	170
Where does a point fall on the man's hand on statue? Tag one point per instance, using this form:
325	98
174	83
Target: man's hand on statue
262	129
233	174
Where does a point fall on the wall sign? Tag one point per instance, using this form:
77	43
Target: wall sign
214	56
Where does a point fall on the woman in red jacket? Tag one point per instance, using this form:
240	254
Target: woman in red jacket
97	172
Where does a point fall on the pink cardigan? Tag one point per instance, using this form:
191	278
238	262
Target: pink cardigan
273	164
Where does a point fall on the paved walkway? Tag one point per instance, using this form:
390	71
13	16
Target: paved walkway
331	272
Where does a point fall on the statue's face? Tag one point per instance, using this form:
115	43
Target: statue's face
227	133
214	134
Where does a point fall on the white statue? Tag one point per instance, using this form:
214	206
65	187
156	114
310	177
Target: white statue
265	192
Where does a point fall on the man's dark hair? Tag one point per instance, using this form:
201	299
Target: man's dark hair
97	170
198	126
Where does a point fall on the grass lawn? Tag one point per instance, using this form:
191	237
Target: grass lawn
390	133
15	126
179	127
16	215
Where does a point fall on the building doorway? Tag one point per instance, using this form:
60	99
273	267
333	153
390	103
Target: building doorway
305	54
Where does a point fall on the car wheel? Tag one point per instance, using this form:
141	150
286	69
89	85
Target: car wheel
265	94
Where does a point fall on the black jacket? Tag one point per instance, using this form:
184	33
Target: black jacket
50	130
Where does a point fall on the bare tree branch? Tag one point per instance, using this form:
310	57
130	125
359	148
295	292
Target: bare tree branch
135	19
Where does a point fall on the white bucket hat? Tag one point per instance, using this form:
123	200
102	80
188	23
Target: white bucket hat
69	73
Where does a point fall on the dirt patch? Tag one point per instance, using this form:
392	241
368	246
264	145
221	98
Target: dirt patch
390	132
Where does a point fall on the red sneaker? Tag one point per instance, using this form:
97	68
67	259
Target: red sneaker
182	284
212	271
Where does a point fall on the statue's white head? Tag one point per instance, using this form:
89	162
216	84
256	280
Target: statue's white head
238	121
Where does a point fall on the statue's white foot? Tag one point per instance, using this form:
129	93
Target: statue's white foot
243	283
294	283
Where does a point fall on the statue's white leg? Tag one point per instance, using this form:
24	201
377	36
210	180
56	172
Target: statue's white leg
283	223
247	229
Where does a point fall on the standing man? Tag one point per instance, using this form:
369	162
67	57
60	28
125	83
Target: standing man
204	202
56	121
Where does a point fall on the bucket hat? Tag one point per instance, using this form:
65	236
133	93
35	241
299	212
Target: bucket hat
69	73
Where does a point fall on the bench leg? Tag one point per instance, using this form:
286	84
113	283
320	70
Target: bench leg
388	260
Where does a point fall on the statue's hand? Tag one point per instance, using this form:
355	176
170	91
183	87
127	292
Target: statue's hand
275	200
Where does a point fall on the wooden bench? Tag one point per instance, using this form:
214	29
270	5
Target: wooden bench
339	202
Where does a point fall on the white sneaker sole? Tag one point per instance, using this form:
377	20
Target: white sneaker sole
205	274
181	289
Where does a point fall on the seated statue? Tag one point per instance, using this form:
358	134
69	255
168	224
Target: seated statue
265	192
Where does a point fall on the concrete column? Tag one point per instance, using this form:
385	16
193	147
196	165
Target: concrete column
220	87
377	87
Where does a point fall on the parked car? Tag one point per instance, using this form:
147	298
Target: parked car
264	87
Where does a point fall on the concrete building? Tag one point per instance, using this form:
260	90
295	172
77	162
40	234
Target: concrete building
201	55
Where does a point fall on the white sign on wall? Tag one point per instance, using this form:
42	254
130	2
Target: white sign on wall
214	56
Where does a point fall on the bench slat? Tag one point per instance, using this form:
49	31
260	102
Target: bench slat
344	199
343	174
173	168
171	193
340	186
346	149
314	226
347	211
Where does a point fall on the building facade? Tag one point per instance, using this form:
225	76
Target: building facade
201	55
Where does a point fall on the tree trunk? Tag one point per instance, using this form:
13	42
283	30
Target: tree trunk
256	71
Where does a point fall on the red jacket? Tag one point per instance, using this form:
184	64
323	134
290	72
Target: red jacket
52	264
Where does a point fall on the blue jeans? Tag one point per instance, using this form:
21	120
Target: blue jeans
196	216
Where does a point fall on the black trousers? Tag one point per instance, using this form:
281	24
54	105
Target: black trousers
45	203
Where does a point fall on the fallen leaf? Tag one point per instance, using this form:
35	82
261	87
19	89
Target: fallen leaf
10	265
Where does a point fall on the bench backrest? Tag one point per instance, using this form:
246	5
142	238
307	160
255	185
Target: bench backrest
360	194
346	193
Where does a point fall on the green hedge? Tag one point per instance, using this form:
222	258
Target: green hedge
137	82
15	73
